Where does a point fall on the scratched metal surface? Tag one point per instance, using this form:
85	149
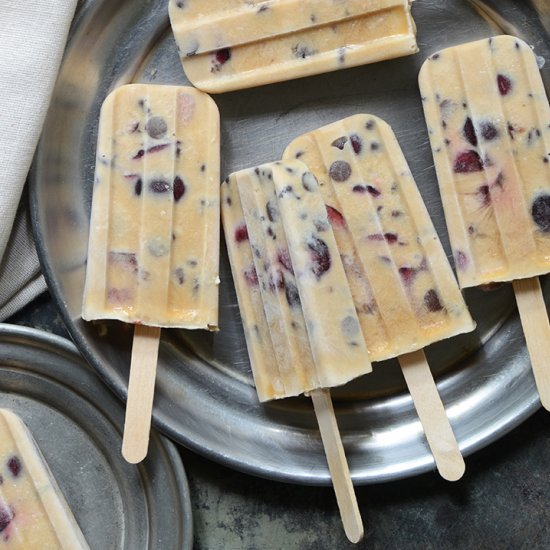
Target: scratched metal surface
205	397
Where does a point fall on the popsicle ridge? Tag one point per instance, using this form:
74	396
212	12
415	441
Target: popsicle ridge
265	368
276	276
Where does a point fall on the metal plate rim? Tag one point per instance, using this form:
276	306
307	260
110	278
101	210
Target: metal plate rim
51	343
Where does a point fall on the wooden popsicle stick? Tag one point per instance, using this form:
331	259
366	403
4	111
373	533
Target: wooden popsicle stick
434	420
338	465
141	389
534	320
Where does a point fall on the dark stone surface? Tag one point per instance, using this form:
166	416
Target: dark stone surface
502	502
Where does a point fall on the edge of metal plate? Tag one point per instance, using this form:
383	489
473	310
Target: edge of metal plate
205	397
78	423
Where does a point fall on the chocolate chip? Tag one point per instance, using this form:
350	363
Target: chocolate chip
159	186
350	326
223	56
488	131
6	517
461	260
340	170
292	294
156	127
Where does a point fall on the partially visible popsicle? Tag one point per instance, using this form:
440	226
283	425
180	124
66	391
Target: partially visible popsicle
489	124
404	290
301	327
33	511
154	230
232	44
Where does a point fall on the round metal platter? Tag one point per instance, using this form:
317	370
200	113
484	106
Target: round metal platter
205	397
77	423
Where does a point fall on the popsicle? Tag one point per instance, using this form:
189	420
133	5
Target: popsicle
488	120
403	287
153	251
233	44
33	511
301	327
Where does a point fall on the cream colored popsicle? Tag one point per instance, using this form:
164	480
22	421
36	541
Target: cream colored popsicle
488	119
302	331
33	511
404	290
232	44
403	286
153	252
284	259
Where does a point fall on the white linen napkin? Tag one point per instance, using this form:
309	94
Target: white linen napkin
32	40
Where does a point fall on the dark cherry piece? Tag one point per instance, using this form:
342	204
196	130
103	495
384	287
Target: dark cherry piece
469	132
320	256
15	466
468	161
504	84
178	188
431	301
241	233
540	211
335	217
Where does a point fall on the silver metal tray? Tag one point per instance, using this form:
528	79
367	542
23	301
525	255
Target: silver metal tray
77	424
205	397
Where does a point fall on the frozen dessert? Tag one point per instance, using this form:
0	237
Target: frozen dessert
301	327
153	254
233	44
488	121
300	321
404	289
33	511
153	251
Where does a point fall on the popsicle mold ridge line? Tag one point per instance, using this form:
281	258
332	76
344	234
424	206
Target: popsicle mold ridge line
274	218
278	290
404	289
239	44
488	121
265	368
33	511
153	254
